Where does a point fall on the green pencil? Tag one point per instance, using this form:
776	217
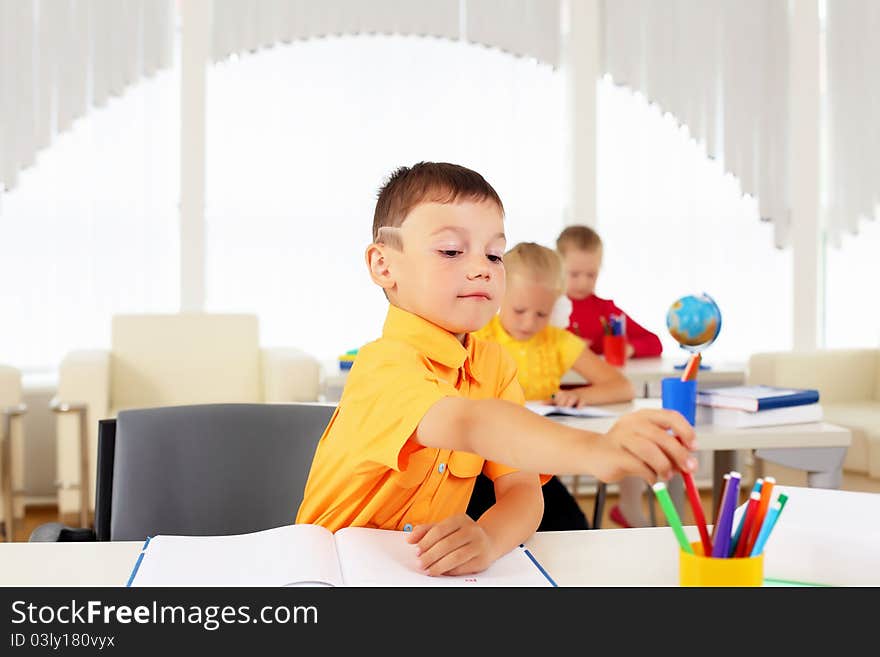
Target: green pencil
782	499
672	516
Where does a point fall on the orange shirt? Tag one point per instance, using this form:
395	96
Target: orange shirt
541	360
368	471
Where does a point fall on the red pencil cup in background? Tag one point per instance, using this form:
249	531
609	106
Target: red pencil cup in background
614	348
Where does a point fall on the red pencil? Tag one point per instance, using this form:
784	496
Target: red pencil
697	507
749	521
693	366
763	505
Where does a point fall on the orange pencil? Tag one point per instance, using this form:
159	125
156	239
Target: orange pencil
693	366
763	505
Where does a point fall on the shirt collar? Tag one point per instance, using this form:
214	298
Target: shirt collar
435	342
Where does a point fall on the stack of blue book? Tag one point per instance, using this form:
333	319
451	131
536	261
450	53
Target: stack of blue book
755	406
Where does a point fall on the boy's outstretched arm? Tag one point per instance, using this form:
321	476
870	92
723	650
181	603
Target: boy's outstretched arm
638	443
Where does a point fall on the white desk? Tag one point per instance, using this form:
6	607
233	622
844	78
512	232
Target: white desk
842	549
646	373
827	442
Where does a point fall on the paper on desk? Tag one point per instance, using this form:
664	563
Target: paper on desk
825	536
585	411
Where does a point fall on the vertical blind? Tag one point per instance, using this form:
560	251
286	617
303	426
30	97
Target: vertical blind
720	68
58	58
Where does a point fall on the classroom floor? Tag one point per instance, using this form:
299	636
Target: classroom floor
37	515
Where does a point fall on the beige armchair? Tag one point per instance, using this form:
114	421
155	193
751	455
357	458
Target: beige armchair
11	450
166	360
848	381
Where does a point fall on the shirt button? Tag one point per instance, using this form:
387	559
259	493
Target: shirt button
441	468
407	527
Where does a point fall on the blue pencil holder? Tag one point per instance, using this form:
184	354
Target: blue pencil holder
680	396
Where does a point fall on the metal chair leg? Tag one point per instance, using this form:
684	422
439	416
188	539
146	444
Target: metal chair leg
652	510
82	410
599	506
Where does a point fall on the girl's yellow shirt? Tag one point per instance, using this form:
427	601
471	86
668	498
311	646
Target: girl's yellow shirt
541	360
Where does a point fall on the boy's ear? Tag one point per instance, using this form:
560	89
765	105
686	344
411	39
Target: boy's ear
379	266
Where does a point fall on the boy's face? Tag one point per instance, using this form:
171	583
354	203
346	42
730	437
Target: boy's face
581	271
527	307
450	269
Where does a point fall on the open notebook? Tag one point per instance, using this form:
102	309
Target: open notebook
585	411
310	555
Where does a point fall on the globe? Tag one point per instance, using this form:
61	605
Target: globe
694	321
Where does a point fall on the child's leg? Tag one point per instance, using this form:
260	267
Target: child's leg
631	491
561	510
482	498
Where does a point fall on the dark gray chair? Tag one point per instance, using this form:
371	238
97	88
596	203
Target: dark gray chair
210	469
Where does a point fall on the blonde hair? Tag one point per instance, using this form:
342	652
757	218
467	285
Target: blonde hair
537	262
579	237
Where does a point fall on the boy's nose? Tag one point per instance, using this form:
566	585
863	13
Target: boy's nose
478	268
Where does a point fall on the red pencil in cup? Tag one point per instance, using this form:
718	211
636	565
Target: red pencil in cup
749	521
697	508
763	505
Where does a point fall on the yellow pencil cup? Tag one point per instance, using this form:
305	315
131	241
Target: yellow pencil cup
697	570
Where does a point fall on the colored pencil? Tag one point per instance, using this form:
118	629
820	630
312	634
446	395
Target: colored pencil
734	542
692	367
766	498
697	508
739	550
718	506
769	524
672	516
725	522
782	499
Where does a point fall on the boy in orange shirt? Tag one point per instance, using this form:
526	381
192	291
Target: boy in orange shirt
427	407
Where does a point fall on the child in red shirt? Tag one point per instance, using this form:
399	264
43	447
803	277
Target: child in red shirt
581	251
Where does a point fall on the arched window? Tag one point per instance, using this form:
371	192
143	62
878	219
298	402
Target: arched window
300	138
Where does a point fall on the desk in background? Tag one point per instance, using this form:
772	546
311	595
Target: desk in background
826	442
646	373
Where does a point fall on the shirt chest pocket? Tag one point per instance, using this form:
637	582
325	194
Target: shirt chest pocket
418	468
465	464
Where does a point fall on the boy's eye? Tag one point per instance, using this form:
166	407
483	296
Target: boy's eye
450	253
494	258
518	311
542	315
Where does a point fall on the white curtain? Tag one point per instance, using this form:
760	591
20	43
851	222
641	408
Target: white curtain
721	68
853	108
60	57
529	28
674	223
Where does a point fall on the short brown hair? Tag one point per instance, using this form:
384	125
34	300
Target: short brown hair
428	182
540	263
579	237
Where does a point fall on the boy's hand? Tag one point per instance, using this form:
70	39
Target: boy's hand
454	546
639	444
